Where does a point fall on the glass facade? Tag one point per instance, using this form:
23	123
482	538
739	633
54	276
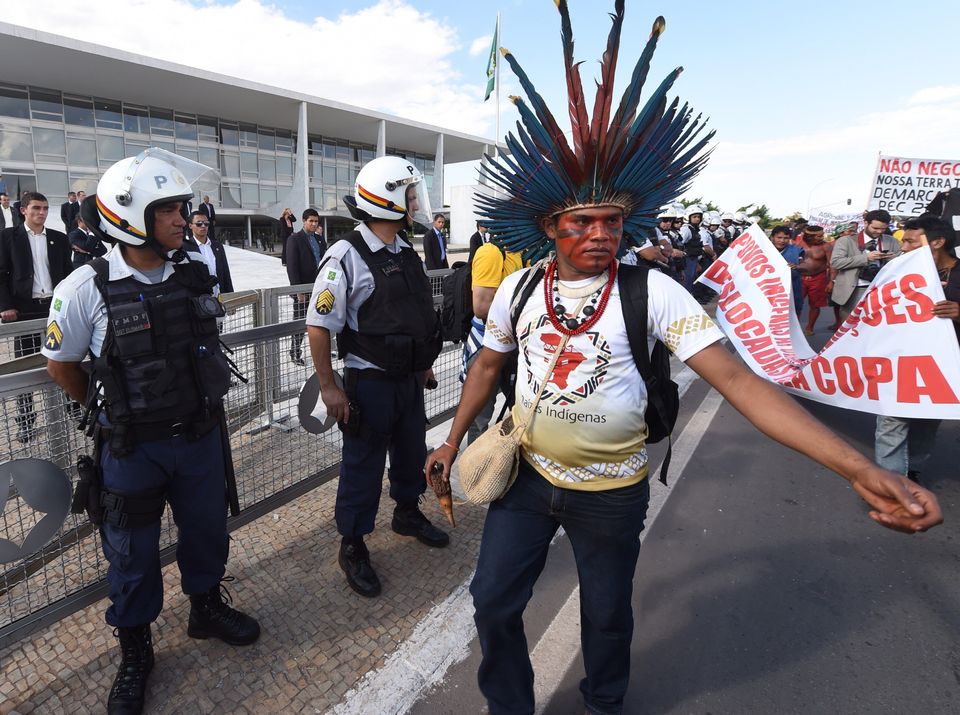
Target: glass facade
54	142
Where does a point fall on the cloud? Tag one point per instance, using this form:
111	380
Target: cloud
933	95
481	45
389	56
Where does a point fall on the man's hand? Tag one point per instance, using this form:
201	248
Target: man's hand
9	316
336	402
443	455
947	309
897	503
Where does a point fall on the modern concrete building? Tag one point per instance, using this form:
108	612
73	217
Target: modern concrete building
69	109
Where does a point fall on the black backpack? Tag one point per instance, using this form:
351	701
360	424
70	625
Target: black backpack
457	308
663	394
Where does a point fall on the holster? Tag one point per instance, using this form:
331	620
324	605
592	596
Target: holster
86	496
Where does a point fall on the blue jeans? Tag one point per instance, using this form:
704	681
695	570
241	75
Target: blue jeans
902	444
604	530
192	474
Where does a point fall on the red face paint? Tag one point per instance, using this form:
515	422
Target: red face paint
587	241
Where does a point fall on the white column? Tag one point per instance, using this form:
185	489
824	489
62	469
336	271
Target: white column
249	233
483	161
301	180
382	138
438	175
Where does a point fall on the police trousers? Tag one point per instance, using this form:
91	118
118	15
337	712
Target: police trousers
393	417
192	473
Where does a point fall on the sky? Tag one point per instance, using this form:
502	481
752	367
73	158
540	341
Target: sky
802	96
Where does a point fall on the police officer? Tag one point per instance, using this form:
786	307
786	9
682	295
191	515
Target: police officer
372	291
146	314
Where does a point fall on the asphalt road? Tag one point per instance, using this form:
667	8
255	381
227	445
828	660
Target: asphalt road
763	587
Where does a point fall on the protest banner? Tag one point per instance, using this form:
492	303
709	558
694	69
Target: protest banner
904	186
891	356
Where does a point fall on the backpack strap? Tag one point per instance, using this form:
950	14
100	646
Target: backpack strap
522	293
632	282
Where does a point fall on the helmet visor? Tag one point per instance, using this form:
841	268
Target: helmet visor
418	199
197	176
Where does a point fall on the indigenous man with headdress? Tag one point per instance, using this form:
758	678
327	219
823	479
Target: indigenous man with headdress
583	460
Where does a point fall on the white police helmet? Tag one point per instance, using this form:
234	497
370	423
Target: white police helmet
668	214
740	217
381	191
129	191
726	216
694	209
711	218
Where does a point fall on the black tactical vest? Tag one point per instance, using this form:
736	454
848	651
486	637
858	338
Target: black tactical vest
161	363
399	329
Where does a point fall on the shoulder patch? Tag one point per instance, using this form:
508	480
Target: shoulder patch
325	301
332	276
54	336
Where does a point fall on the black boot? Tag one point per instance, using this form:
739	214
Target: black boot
355	561
212	617
136	651
410	521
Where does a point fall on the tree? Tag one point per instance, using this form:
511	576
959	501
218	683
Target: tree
707	205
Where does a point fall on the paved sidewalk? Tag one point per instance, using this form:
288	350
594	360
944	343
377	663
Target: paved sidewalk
319	637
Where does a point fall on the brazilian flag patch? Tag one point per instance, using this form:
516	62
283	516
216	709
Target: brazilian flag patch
54	336
325	302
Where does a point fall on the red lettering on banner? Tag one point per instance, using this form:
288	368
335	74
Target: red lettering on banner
919	375
848	376
728	294
818	367
938	168
738	313
876	370
880	303
890	301
798	381
750	329
718	272
893	166
922	308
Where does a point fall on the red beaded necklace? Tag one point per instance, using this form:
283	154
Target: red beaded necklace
589	321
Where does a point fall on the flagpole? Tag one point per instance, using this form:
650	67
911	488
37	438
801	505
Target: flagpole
496	84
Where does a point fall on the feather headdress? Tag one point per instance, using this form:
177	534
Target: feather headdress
638	160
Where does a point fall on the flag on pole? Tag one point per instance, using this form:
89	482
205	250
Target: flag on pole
492	63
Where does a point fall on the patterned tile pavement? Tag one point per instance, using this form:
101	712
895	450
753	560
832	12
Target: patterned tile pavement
319	637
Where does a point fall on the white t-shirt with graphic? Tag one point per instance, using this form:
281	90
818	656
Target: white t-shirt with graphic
588	431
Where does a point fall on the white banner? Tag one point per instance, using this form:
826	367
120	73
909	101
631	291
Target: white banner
890	357
904	187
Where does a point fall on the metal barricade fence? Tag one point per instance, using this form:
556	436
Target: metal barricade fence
275	460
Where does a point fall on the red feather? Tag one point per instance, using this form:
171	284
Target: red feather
579	120
604	98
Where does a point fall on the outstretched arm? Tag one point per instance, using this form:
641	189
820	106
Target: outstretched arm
897	503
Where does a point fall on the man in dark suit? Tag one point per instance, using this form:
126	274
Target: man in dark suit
435	246
304	249
33	260
85	245
9	215
476	240
206	208
211	250
69	211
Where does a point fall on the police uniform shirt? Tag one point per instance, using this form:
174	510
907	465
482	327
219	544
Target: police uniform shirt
78	315
343	284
